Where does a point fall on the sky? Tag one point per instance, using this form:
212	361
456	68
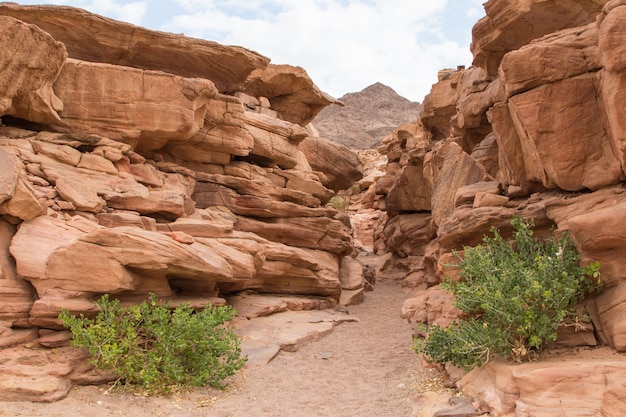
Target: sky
344	45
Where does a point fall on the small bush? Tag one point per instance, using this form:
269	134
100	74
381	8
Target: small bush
155	348
340	202
515	296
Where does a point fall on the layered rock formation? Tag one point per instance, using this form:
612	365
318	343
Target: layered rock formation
534	129
136	162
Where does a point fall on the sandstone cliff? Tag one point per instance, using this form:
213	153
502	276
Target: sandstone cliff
534	129
136	162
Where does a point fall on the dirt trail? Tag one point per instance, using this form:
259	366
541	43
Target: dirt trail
360	369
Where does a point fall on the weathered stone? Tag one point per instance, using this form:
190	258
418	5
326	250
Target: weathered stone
307	232
439	106
539	388
458	170
484	199
511	25
351	274
487	153
467	194
290	92
43	375
554	57
476	92
81	194
16	295
565	144
94	38
512	162
30	60
613	79
432	306
127	104
340	165
18	197
208	195
410	193
223	134
286	331
251	305
275	141
10	170
408	235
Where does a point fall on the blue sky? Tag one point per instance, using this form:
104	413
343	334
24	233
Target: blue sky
344	45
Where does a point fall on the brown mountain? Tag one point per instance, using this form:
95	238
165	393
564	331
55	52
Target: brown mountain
368	116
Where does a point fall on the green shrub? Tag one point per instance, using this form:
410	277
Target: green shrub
152	347
514	295
340	202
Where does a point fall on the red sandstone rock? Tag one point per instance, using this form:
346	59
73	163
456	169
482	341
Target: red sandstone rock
30	60
126	104
590	382
340	165
511	25
290	91
94	38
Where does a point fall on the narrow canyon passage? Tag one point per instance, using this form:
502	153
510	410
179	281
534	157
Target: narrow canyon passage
364	368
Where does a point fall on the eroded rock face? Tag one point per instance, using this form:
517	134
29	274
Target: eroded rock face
533	130
290	92
591	384
142	176
31	60
511	25
93	38
127	104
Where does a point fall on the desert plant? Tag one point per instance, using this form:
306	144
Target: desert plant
514	296
340	202
157	349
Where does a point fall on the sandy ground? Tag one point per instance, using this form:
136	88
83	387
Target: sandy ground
360	369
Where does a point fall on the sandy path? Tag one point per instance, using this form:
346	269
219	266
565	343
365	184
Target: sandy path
360	369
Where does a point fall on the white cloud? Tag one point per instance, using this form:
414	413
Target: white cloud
344	45
132	12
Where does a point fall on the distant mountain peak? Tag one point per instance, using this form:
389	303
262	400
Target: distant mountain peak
368	116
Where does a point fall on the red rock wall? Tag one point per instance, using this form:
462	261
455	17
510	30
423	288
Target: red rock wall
534	129
121	176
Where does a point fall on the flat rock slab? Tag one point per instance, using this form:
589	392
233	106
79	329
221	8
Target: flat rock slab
264	337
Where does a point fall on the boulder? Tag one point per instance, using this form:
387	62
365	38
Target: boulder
94	38
611	40
459	169
511	25
290	91
591	382
17	196
565	144
221	136
30	60
554	57
408	235
431	306
439	106
145	109
340	165
16	295
306	232
275	141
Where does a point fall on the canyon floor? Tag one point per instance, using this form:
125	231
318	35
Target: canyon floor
364	368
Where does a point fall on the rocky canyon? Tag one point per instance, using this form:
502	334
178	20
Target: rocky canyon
136	162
